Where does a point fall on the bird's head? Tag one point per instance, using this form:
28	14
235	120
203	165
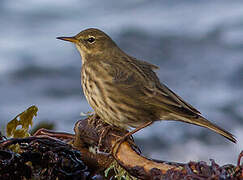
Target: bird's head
91	42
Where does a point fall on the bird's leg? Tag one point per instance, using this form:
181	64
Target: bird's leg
92	119
118	142
103	133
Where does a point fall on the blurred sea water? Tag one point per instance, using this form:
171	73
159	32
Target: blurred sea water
198	46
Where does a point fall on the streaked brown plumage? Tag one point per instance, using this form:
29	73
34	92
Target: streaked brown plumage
125	92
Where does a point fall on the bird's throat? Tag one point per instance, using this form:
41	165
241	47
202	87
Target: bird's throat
82	54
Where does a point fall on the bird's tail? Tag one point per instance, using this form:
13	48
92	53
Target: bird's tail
201	121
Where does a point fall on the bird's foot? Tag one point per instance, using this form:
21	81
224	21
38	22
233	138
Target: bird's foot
92	119
115	147
103	133
118	142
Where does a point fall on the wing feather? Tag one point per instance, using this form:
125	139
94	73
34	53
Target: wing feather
140	81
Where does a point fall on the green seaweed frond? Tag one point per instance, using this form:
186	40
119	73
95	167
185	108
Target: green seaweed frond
120	172
24	119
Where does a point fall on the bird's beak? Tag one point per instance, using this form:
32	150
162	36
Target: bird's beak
71	39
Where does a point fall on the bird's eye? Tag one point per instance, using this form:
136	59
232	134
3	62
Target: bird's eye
91	40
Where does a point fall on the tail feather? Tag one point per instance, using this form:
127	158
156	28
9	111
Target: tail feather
201	121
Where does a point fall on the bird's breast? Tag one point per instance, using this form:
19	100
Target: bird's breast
94	83
109	101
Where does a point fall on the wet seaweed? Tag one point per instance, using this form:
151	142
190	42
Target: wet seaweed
41	158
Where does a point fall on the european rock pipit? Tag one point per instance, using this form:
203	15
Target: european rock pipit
124	91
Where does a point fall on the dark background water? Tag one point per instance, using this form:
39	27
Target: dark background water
198	46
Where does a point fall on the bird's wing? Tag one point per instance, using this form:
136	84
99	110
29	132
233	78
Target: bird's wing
178	99
139	77
138	82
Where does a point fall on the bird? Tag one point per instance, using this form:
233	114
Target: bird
125	92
